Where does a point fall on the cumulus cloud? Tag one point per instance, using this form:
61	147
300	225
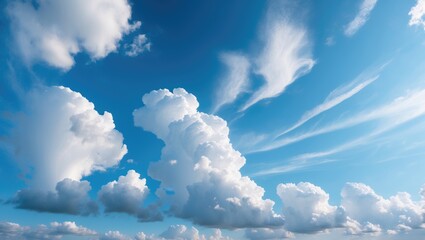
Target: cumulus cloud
70	197
306	208
139	45
199	169
114	235
286	56
235	81
361	18
417	14
56	230
371	212
127	195
55	31
60	135
57	140
267	233
182	232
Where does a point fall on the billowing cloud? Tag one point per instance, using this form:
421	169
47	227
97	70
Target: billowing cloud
306	208
235	81
69	197
417	14
199	169
60	135
139	45
371	212
286	56
361	18
127	195
267	233
56	230
54	31
114	235
182	232
57	140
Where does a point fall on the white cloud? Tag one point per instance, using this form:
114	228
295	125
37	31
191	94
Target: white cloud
127	195
60	135
54	31
69	197
267	233
56	230
400	110
139	45
199	169
417	14
182	232
306	208
114	235
336	97
286	57
236	80
361	18
373	212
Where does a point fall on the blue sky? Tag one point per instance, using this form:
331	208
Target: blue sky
212	120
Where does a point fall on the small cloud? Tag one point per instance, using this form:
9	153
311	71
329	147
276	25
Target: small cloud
330	41
126	195
417	14
361	18
139	45
130	160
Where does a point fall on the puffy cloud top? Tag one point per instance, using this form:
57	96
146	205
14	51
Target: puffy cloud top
366	208
199	169
61	135
54	31
127	195
306	208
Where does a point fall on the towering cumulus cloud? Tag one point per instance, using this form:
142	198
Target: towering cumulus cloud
59	139
199	169
54	31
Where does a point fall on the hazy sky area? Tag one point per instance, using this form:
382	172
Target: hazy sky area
198	119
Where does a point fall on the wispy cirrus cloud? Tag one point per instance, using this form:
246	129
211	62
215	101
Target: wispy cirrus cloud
392	115
361	18
339	95
286	56
235	81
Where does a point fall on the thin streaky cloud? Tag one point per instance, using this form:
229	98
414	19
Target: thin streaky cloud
399	110
336	97
405	114
235	82
361	18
